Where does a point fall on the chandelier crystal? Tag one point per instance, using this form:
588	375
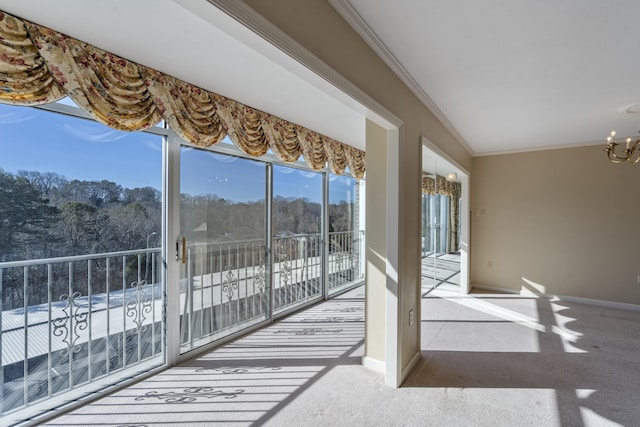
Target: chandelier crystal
627	154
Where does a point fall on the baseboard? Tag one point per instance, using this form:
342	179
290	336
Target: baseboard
407	369
597	302
580	300
373	364
480	287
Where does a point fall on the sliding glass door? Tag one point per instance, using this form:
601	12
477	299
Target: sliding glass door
224	285
297	237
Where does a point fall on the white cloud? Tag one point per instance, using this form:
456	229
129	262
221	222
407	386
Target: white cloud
93	132
15	117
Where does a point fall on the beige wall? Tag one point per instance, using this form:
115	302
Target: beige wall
376	243
564	219
320	29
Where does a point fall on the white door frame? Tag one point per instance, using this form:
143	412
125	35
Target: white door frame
431	149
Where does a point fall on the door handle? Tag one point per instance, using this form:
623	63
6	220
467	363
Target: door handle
181	252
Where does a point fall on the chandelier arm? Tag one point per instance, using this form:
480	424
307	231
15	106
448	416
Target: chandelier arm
627	153
611	154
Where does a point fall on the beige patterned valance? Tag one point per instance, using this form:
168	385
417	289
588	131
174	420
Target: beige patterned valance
24	77
440	185
39	66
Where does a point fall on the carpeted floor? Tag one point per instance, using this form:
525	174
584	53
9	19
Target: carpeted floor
487	360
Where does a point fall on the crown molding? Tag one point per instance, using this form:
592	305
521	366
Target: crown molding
543	148
344	8
251	19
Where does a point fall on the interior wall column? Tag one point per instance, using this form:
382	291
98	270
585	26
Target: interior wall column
382	304
376	251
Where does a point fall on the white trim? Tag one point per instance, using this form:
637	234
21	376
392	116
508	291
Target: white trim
465	234
255	22
545	148
596	302
171	232
579	300
412	364
373	364
440	153
480	287
393	297
356	22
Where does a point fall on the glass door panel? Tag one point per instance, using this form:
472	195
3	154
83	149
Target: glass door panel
440	223
346	233
224	284
429	235
297	238
81	284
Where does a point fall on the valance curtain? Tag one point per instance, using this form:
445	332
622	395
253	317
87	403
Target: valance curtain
440	185
40	66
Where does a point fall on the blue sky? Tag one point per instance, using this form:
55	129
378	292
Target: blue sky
33	139
232	178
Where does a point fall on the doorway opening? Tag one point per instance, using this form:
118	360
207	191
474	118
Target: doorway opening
444	222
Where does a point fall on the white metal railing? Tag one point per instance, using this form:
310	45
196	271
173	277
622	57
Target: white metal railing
223	284
346	259
227	286
70	321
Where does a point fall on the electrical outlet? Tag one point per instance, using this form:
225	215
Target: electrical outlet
490	264
411	317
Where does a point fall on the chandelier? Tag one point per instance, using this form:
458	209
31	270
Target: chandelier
627	154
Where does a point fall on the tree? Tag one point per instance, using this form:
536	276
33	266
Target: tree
144	194
25	217
82	227
45	182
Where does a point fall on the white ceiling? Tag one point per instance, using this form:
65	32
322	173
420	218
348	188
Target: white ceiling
507	75
516	75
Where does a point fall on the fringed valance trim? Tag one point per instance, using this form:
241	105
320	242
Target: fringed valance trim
39	66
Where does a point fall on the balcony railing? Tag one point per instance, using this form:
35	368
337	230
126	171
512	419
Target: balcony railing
346	259
226	285
71	321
